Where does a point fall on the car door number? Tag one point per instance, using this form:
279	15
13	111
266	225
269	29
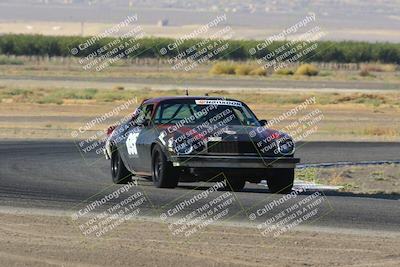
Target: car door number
131	144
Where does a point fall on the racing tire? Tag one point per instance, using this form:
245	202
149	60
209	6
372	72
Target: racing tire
281	181
235	184
119	173
163	173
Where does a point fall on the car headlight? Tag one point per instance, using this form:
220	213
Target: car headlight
286	145
179	147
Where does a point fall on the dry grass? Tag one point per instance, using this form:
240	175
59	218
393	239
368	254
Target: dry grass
69	67
347	116
284	71
307	70
337	178
243	69
119	93
223	68
366	73
259	72
229	68
363	98
381	131
383	179
378	67
5	60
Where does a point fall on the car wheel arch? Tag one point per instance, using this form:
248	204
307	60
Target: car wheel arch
162	147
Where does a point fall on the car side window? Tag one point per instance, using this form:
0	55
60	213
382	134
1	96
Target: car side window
172	113
244	116
144	114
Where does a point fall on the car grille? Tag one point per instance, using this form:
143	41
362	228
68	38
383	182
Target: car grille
224	147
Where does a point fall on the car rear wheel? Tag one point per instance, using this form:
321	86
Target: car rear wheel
235	184
281	181
119	173
163	173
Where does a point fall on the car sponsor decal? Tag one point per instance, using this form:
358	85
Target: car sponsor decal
214	138
131	144
218	102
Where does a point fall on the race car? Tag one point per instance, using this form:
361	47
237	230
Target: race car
188	139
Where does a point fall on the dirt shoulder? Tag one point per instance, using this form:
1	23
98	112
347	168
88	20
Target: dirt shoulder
32	240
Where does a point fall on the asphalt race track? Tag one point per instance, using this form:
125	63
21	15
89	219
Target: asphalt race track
53	175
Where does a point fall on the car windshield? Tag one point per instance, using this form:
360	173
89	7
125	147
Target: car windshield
198	111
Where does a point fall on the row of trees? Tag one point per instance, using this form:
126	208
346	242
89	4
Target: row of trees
326	51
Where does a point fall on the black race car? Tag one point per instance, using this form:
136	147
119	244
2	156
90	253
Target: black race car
172	139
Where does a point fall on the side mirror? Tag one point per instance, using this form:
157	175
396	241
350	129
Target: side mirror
263	122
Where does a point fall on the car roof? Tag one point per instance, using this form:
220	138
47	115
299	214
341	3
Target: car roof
165	98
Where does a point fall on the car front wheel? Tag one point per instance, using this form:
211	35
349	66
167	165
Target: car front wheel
163	173
119	173
281	181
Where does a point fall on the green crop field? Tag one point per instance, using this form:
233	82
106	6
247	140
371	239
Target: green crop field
326	51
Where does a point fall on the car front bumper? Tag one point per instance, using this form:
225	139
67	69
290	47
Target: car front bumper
198	161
